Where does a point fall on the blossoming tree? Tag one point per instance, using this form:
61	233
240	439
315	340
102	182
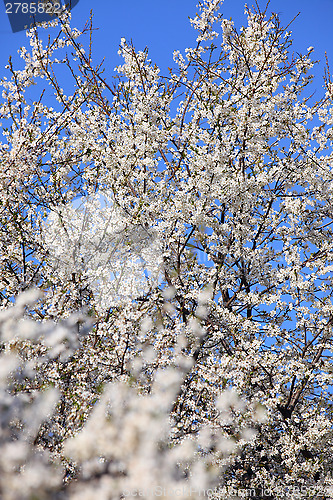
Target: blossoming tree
177	338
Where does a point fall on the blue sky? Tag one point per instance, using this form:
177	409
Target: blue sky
163	26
